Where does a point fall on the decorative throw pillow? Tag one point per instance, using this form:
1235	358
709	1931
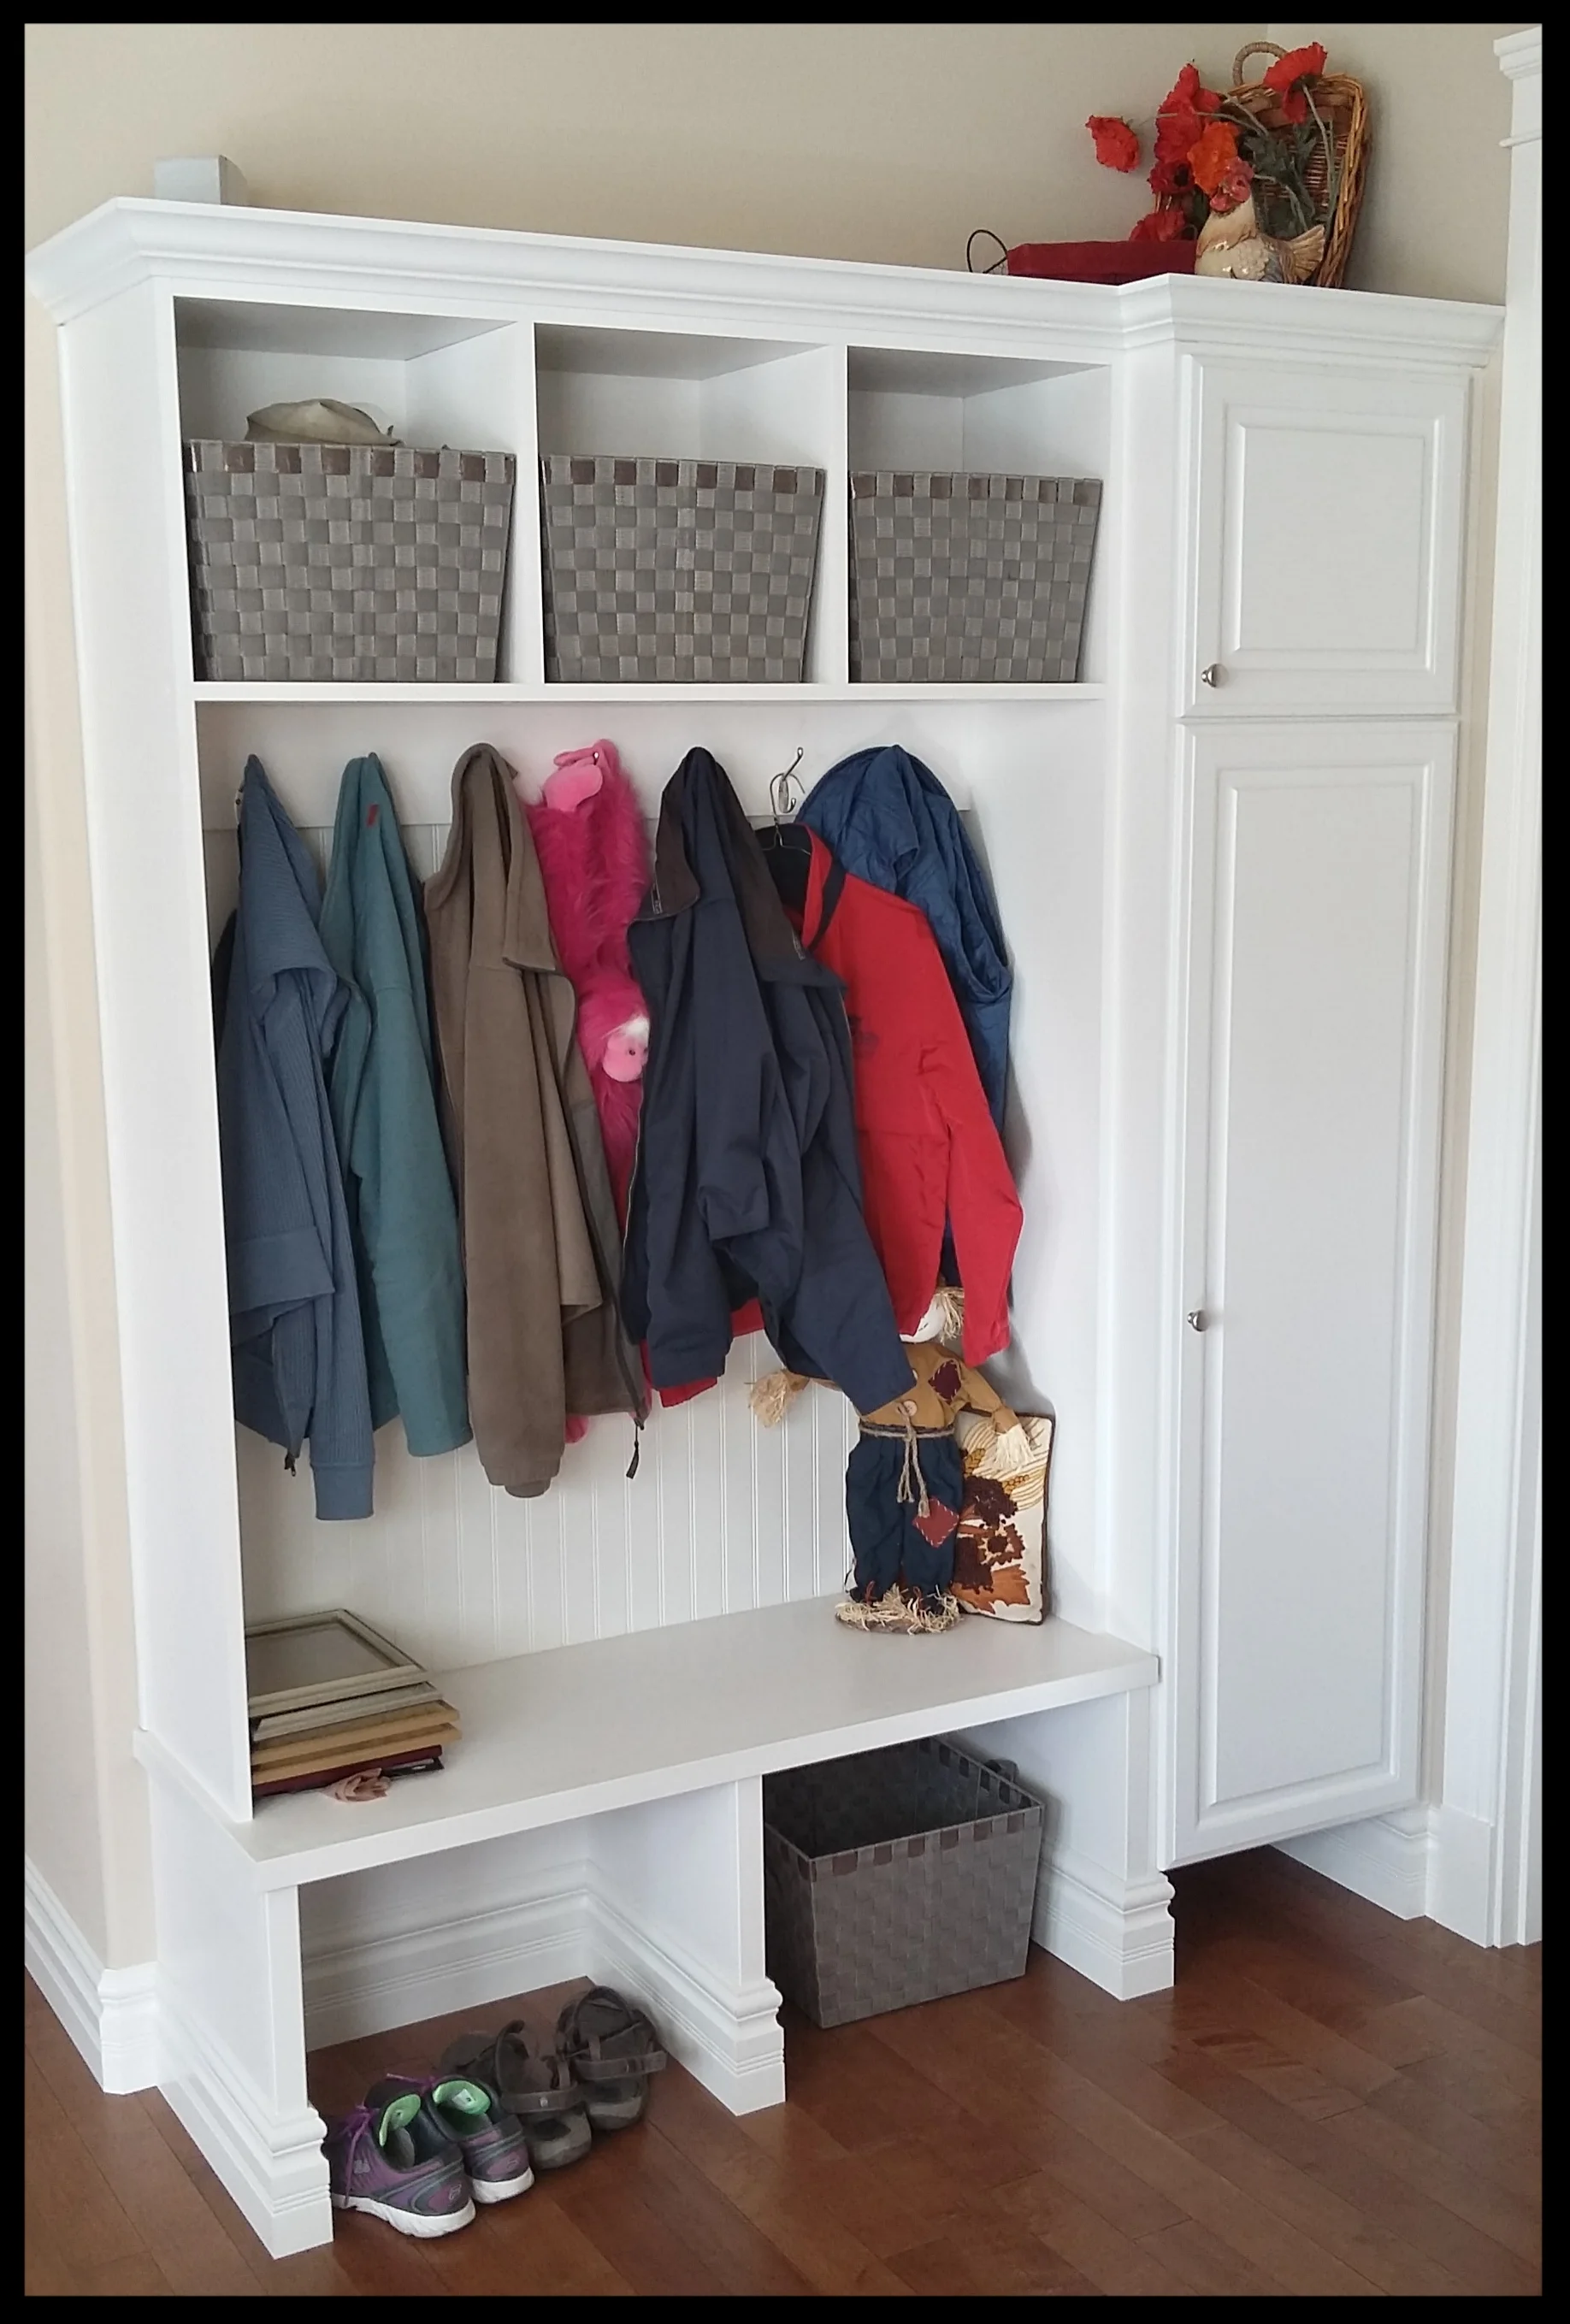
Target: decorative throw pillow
1000	1556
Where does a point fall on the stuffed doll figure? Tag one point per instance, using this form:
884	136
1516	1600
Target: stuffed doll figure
904	1483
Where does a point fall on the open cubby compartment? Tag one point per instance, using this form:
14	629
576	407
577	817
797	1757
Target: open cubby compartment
723	1515
699	396
1016	415
461	381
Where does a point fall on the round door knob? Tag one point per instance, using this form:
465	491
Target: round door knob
1197	1319
1212	674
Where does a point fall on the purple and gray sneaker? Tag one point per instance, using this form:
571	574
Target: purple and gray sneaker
469	2113
391	2158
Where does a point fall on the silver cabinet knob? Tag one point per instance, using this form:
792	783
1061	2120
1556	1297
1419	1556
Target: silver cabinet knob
1212	674
1197	1319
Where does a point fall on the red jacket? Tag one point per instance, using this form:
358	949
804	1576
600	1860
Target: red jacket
928	1143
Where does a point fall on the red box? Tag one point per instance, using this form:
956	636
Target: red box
1101	261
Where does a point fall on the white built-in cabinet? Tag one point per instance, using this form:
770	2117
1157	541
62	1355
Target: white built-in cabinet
1314	767
1326	540
1315	898
1222	860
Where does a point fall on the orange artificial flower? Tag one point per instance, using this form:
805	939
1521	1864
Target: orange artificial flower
1215	157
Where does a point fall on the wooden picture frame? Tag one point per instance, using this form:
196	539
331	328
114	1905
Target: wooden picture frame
296	1660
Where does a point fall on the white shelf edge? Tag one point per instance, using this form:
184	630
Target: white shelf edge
208	690
413	1821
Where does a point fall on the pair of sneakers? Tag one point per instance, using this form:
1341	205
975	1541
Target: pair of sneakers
422	2149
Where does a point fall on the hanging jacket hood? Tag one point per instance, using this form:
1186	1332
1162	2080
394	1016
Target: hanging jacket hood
747	1182
889	820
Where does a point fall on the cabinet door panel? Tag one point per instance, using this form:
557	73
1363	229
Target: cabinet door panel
1326	516
1317	921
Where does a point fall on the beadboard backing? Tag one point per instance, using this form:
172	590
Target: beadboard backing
722	1514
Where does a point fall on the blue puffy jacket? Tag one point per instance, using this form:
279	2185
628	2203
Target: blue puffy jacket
890	821
747	1181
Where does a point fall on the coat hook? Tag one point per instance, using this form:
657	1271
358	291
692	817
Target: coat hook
780	788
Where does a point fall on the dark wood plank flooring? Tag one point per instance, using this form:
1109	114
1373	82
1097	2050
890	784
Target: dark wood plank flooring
1328	2103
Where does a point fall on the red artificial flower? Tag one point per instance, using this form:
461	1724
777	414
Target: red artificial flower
1232	188
1161	225
1187	95
1116	145
1179	115
1172	178
1176	133
1215	155
1284	75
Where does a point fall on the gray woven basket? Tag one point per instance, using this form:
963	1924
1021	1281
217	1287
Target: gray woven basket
979	577
678	569
896	1877
347	561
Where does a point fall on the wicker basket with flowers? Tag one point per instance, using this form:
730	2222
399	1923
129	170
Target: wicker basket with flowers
1265	177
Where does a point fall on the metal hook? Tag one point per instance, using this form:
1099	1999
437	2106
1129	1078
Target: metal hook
780	788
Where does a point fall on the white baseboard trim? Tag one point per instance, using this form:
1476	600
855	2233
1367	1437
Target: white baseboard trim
1462	1875
110	2013
272	2166
1117	1933
367	1987
728	2037
1387	1860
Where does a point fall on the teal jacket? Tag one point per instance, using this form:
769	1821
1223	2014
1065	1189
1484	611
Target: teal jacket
382	1088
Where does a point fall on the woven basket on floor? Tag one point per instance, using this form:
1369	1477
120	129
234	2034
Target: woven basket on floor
896	1877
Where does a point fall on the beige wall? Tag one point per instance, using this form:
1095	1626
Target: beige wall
85	1810
881	141
61	1805
1432	220
832	140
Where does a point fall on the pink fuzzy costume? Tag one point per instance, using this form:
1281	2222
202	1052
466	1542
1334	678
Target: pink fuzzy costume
594	860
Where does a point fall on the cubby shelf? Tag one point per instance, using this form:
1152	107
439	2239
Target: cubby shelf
327	690
678	1710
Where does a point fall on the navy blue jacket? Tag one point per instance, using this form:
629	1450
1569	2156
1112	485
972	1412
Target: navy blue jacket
747	1182
890	821
294	1312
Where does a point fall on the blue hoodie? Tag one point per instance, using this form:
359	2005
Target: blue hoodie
890	821
382	1088
294	1310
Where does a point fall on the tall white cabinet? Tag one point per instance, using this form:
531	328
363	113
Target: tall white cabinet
1222	860
1315	926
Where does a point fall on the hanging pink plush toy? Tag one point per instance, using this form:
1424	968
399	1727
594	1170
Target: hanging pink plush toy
593	859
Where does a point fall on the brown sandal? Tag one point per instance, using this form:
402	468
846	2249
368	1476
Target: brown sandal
611	2049
539	2090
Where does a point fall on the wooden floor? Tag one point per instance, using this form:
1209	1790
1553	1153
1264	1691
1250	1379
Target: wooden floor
1329	2102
